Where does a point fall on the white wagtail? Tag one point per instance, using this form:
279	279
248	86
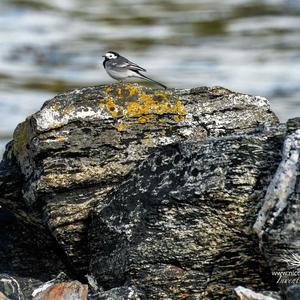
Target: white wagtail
120	68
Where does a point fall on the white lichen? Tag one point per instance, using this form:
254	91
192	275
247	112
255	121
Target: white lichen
53	117
43	287
247	294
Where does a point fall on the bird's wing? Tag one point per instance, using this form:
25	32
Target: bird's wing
125	63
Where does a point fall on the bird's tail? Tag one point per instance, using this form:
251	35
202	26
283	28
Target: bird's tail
149	79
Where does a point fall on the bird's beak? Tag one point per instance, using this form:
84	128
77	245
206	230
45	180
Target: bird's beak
103	55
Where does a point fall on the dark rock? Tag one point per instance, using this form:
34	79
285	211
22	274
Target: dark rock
278	221
160	188
82	144
26	248
120	293
17	288
27	253
293	124
293	292
174	232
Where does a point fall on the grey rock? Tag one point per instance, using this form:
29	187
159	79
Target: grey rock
247	294
293	292
278	221
149	191
119	293
16	287
185	217
82	144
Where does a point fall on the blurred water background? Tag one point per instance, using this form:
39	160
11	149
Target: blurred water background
48	46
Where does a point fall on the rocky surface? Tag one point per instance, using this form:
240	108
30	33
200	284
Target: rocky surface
184	217
73	290
248	294
3	297
278	221
154	193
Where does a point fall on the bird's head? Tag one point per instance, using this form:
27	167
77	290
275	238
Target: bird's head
111	55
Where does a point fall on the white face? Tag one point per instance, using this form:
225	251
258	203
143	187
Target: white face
110	55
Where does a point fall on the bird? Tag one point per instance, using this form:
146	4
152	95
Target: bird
118	67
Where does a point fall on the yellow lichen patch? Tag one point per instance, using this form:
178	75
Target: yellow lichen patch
108	89
119	92
162	132
101	102
130	101
22	135
120	127
133	90
142	120
145	119
114	114
162	121
146	105
134	109
114	109
177	118
60	138
55	107
178	109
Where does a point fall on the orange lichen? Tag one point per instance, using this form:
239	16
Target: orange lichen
55	107
177	118
119	92
108	89
120	127
162	121
132	102
101	102
60	138
22	135
162	132
145	119
113	108
132	90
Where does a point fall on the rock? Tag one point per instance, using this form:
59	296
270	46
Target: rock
73	290
28	254
17	288
185	217
293	292
82	144
293	124
278	221
149	191
247	294
26	243
61	278
120	293
3	297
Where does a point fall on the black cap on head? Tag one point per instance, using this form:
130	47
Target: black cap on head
113	52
